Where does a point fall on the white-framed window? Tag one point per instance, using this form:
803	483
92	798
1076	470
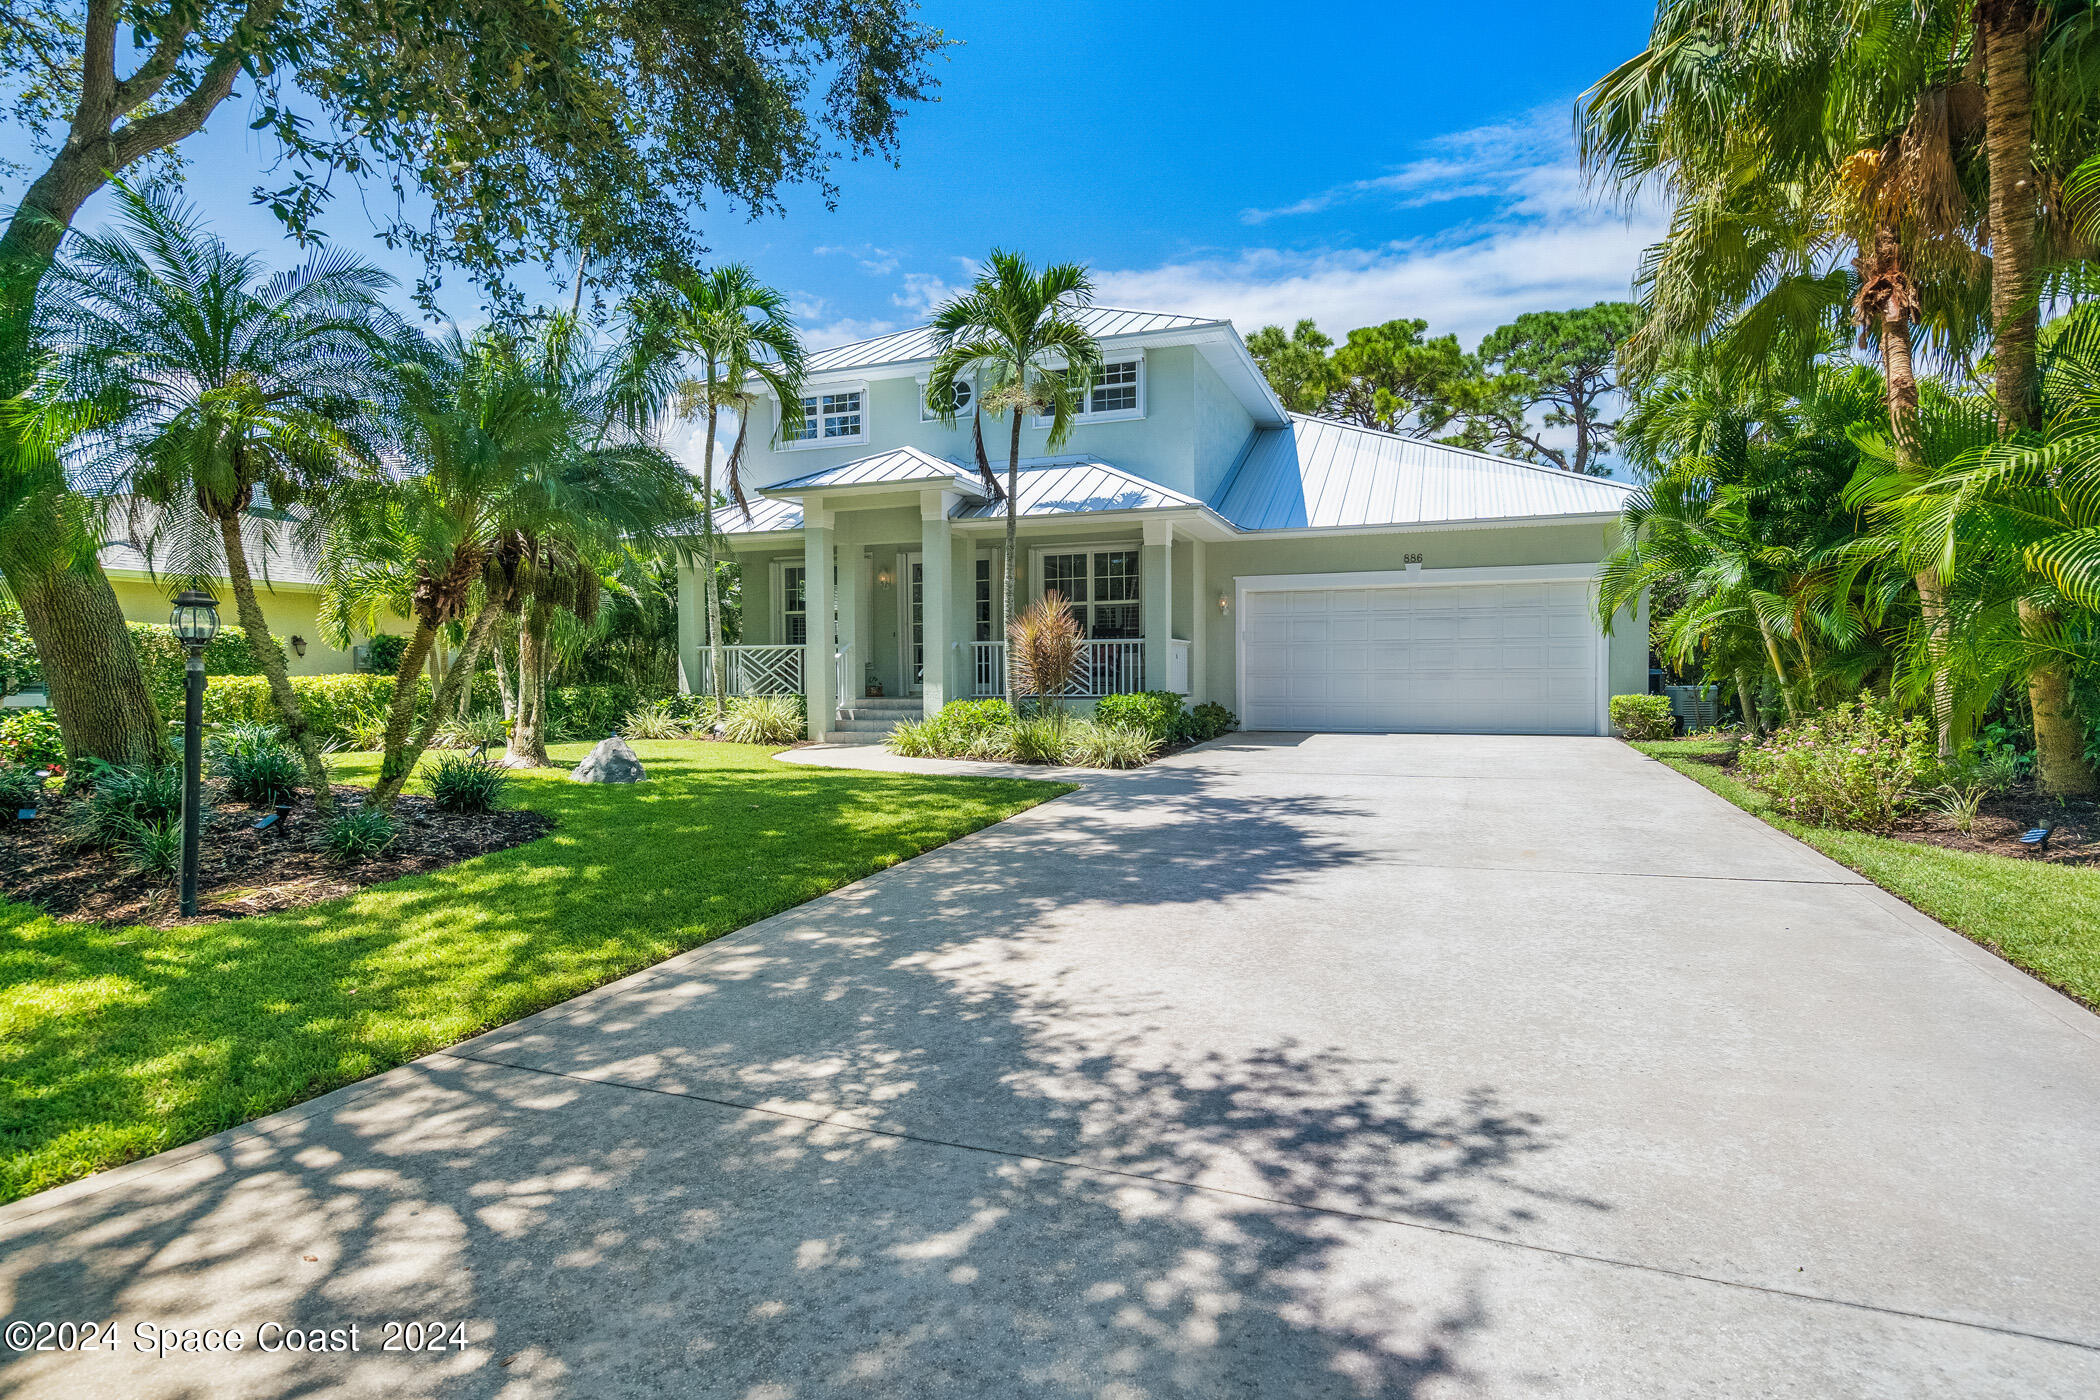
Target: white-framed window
794	604
929	411
986	600
833	415
1099	585
1118	391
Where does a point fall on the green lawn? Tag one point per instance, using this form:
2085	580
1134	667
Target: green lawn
118	1042
2045	918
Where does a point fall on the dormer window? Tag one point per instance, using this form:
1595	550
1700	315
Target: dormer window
1118	391
828	418
929	411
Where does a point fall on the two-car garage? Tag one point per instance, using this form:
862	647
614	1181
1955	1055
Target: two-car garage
1488	651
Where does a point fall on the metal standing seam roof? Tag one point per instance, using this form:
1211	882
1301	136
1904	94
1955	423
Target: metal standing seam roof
273	551
1319	474
916	342
895	467
1079	486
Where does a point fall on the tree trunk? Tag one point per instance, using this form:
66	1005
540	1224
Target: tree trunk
528	739
1746	699
1900	375
98	689
710	602
396	760
2008	32
1013	532
264	646
478	632
500	659
1786	691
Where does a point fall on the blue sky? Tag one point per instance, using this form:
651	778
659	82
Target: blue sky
1349	163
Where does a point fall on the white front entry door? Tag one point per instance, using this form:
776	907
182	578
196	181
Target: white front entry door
911	622
1486	658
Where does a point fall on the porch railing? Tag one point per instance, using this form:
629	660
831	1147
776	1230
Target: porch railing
757	670
1107	666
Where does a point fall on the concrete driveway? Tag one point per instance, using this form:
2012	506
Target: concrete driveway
1296	1066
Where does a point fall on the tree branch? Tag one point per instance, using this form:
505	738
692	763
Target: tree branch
98	71
152	75
149	134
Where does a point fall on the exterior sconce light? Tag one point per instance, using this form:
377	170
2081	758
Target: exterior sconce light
298	645
1224	604
882	578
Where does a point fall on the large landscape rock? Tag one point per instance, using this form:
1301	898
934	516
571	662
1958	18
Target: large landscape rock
611	762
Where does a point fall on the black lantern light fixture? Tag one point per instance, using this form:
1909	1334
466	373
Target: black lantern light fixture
195	621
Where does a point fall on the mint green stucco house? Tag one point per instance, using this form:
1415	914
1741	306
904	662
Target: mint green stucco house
1308	574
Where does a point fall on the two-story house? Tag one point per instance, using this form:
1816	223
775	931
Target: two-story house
1308	574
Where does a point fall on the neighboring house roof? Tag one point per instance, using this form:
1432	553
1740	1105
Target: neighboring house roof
899	467
274	555
1319	474
1079	486
916	343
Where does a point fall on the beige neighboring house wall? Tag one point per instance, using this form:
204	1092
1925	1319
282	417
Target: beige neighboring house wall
287	587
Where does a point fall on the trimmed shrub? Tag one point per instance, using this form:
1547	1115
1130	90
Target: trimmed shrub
1854	766
31	738
383	652
1157	712
358	833
458	783
1209	720
335	705
588	711
20	787
763	719
1642	717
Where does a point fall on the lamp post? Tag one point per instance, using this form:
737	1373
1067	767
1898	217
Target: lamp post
195	621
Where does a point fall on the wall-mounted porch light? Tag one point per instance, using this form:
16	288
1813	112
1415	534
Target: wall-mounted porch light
1224	604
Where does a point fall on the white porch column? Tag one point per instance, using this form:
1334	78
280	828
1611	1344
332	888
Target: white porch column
937	559
692	624
1202	618
819	689
852	605
1156	599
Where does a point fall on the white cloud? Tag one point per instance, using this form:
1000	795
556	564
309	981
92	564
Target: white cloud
1468	285
876	262
922	292
843	331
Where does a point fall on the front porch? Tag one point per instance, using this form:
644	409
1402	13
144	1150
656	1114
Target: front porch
917	618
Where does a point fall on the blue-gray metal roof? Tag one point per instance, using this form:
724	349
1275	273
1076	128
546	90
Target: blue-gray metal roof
1320	474
916	343
1079	486
765	514
897	467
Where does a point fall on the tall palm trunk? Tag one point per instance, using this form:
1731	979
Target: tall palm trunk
98	689
1746	697
396	760
1786	689
1013	533
265	649
2007	29
392	777
1900	375
717	672
506	691
528	739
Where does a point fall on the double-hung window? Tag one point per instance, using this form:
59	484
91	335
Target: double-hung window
1101	588
1118	391
986	589
831	416
794	604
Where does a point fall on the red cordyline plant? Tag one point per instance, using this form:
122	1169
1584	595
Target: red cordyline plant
1043	647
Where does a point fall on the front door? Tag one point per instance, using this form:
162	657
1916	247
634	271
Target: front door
911	596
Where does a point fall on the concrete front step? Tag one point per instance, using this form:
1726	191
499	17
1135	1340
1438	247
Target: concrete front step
865	726
854	736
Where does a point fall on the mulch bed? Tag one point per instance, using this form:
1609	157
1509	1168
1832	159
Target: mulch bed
2000	821
241	871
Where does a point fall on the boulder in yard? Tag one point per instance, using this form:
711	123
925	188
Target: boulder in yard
611	762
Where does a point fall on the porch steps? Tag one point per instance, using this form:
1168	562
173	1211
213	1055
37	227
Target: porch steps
870	720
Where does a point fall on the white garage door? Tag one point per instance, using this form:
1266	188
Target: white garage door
1500	658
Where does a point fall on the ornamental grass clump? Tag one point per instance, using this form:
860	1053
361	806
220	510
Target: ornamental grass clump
1854	766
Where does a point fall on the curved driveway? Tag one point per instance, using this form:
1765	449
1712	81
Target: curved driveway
1294	1066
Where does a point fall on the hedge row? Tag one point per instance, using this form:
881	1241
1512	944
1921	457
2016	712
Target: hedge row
336	706
163	658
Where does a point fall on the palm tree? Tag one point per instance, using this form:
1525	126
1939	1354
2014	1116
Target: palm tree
731	328
1016	332
230	385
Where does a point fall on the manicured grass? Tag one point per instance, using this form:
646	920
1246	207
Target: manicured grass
2042	917
118	1042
